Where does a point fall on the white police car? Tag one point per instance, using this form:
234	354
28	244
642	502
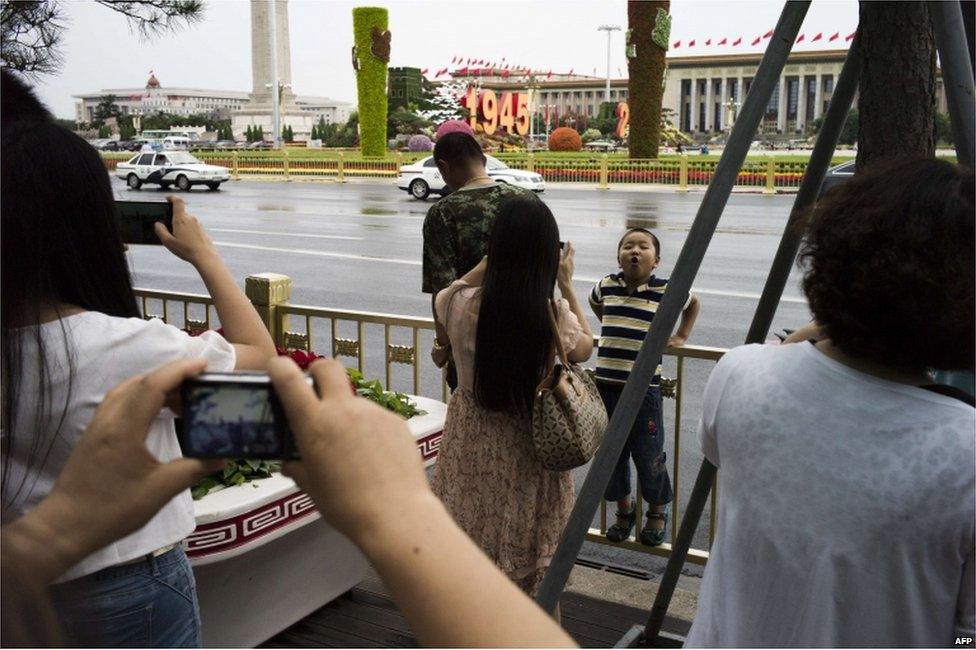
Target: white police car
422	178
166	168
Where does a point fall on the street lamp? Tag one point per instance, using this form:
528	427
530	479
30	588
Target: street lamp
608	29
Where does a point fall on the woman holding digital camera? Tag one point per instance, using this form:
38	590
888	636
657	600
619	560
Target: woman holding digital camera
71	331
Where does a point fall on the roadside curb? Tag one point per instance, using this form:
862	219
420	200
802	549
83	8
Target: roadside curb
649	187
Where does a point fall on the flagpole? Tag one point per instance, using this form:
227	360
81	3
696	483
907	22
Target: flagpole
608	29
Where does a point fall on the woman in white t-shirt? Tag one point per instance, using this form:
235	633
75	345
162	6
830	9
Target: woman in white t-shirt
71	332
846	478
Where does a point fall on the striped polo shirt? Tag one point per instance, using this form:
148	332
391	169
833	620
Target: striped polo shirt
626	320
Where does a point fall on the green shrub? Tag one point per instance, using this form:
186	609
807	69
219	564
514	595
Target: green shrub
370	80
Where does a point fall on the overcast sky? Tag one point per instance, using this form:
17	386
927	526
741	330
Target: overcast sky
101	52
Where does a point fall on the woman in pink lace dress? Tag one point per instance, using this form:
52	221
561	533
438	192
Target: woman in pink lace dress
496	323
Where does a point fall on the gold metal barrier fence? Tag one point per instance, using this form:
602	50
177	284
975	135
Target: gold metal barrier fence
405	347
602	171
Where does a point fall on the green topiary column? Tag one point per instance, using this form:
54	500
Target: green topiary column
371	56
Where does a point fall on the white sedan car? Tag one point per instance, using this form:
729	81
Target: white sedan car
422	178
168	168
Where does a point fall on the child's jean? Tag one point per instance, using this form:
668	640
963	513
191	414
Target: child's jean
645	445
151	603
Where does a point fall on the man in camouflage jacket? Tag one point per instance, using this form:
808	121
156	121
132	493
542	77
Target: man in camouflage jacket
457	226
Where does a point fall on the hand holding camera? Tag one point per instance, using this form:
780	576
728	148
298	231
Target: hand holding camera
188	240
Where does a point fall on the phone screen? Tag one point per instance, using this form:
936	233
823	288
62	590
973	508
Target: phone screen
136	219
234	419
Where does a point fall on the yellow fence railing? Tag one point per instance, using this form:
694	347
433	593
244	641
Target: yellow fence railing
396	348
603	172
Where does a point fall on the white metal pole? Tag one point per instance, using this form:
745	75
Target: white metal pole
275	110
608	29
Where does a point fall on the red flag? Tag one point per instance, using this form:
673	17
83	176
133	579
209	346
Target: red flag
817	37
723	41
676	44
800	38
737	41
424	71
504	74
691	43
756	42
481	62
571	70
834	37
849	36
708	42
452	60
549	74
768	34
463	71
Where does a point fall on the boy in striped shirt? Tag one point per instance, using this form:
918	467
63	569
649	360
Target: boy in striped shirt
625	303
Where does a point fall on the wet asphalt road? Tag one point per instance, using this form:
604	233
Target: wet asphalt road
358	247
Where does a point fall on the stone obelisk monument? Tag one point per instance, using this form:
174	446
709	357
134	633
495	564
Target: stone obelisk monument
258	110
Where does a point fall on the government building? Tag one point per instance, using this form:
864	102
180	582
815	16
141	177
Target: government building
219	104
704	92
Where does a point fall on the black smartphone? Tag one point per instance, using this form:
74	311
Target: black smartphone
137	218
234	415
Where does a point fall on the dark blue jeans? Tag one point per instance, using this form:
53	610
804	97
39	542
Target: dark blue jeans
148	604
645	445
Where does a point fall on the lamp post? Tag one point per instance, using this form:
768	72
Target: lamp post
608	29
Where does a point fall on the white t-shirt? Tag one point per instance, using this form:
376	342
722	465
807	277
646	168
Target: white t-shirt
105	351
846	507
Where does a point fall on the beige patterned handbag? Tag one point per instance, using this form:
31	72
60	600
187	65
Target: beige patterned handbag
568	416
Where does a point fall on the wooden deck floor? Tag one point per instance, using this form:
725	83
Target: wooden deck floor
366	617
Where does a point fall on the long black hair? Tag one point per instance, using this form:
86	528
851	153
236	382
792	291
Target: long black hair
514	342
60	246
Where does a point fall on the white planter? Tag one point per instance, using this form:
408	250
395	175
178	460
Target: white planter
263	557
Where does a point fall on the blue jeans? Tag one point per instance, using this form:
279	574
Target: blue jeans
645	445
151	603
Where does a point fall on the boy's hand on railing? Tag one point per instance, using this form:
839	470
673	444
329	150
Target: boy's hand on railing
359	462
676	341
188	241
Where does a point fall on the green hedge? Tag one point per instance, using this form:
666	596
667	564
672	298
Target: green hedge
371	80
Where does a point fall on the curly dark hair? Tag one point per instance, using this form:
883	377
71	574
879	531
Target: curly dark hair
889	265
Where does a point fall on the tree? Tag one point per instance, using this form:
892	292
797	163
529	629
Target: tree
106	108
31	31
647	42
442	102
943	129
249	133
896	97
104	131
259	136
287	133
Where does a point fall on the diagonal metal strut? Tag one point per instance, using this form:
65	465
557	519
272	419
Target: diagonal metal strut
679	286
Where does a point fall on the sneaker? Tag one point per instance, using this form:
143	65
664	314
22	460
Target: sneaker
621	529
651	537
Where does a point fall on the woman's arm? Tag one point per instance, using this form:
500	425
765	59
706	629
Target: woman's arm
564	279
449	592
242	326
688	318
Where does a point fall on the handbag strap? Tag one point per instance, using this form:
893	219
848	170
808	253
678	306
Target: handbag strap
557	342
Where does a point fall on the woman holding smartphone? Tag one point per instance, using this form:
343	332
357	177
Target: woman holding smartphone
71	331
496	320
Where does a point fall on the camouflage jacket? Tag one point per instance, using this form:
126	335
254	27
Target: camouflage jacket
456	232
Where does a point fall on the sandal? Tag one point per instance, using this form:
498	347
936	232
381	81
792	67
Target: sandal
651	537
621	529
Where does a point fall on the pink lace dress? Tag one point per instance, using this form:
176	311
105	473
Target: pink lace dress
486	472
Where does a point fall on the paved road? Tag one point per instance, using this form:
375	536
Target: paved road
358	247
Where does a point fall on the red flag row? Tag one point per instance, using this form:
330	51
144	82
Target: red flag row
800	39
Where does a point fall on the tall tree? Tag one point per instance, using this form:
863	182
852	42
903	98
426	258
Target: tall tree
106	108
649	29
896	99
31	31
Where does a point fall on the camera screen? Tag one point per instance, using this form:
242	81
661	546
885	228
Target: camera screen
231	421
